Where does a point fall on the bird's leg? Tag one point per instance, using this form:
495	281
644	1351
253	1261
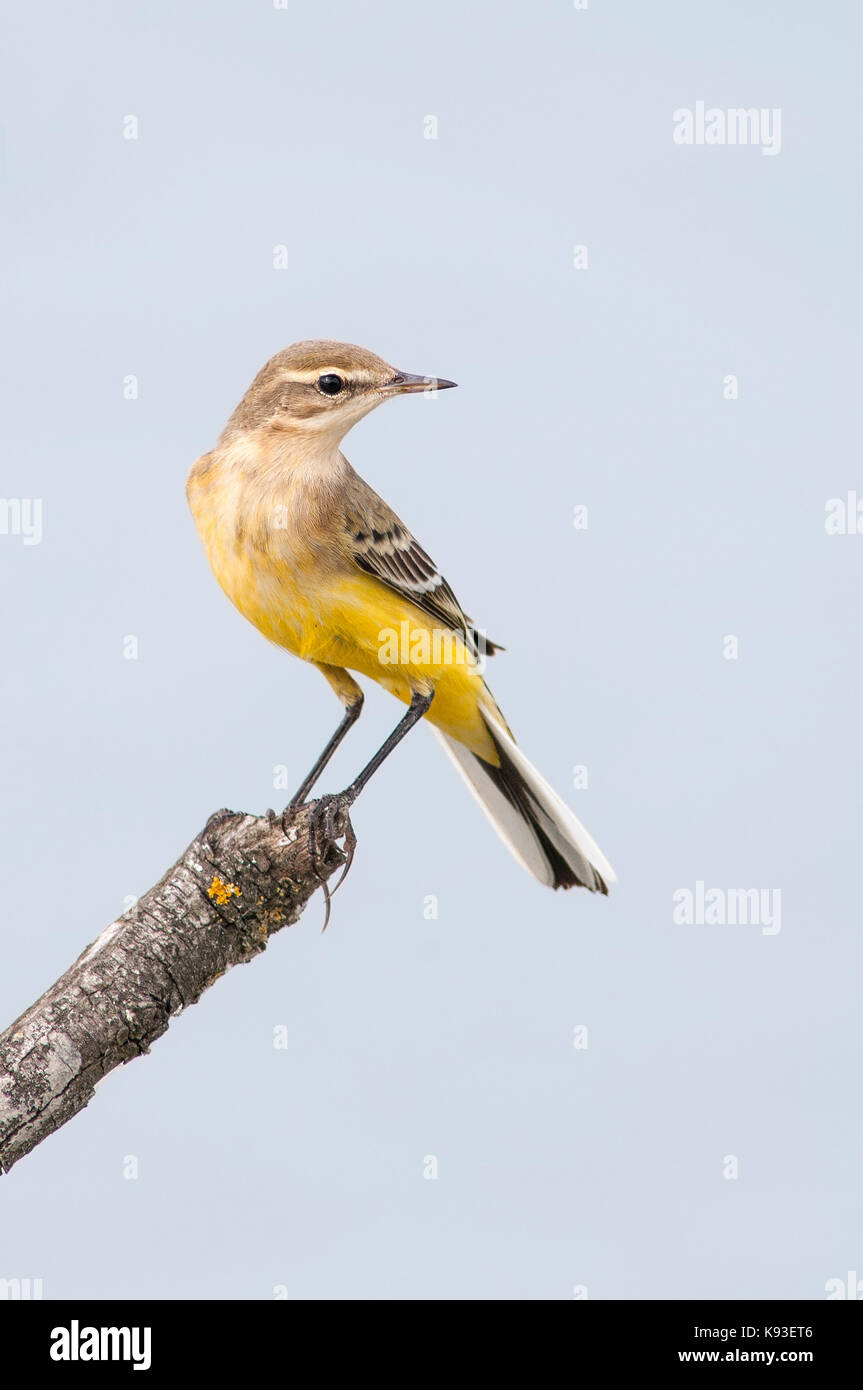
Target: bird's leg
352	714
351	696
325	815
419	705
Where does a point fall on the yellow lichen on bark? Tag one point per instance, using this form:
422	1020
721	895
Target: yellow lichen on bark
221	892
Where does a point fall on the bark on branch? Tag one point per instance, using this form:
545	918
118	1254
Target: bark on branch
240	880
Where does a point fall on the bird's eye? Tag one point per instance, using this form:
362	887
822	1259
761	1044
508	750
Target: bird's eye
330	383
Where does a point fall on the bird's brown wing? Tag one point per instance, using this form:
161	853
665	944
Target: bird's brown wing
382	545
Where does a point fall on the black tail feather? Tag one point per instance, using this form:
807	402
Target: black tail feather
510	782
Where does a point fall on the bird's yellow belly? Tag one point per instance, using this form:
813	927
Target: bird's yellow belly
360	625
371	630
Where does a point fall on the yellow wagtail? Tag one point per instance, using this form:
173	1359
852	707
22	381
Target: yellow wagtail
322	566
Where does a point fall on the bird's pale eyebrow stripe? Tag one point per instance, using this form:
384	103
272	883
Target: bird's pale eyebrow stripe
309	376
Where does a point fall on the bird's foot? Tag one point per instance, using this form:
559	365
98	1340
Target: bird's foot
329	822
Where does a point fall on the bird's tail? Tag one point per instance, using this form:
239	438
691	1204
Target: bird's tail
538	827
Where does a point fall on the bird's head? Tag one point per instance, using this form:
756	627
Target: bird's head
322	388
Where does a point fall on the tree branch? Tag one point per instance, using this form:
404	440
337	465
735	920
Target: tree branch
240	880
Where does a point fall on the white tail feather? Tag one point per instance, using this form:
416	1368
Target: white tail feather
512	828
563	829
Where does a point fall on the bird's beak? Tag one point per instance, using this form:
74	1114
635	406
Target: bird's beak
405	383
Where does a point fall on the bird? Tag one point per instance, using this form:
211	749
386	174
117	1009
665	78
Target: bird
323	567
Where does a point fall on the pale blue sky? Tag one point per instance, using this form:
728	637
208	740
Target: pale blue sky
558	1167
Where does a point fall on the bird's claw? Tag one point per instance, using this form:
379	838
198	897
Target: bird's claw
329	821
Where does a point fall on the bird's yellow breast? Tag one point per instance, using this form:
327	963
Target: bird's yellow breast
286	567
253	552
